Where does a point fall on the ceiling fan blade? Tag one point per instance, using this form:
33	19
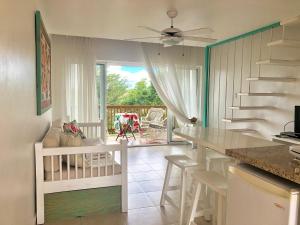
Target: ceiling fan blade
202	39
132	39
199	31
151	29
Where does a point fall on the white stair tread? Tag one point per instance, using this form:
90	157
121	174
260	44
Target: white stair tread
237	120
294	21
181	161
250	107
259	94
272	79
284	43
279	62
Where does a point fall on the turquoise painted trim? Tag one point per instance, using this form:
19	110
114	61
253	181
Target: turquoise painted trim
206	72
206	68
262	29
40	29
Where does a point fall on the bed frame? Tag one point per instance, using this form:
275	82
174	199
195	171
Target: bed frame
91	130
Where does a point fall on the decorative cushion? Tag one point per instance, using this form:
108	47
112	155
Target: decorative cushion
69	140
72	128
52	140
57	123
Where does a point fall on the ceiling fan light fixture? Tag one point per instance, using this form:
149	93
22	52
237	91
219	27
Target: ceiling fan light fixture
171	40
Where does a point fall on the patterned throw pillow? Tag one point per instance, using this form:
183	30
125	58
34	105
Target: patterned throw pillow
72	128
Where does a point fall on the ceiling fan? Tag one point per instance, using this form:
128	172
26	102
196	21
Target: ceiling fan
173	36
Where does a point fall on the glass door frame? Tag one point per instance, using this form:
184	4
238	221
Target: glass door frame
102	103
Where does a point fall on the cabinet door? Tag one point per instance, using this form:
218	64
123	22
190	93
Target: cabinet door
251	204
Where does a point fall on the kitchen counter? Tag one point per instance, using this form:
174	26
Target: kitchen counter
267	155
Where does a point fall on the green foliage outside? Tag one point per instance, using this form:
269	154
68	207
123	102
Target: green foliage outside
119	93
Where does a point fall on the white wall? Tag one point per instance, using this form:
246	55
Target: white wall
106	50
230	66
19	125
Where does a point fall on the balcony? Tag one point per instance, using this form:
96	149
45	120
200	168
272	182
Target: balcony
148	136
141	110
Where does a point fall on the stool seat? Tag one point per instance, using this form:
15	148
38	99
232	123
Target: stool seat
215	181
182	161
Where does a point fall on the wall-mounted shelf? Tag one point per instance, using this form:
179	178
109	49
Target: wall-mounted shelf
239	120
284	43
250	107
244	130
295	21
272	79
279	62
259	94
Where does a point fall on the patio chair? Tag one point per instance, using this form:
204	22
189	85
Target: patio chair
154	116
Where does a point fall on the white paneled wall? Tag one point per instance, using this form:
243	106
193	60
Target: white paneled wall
233	62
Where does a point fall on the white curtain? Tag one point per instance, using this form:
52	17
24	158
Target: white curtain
74	79
176	75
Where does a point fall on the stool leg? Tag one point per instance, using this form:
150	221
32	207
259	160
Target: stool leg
182	196
195	199
166	184
220	209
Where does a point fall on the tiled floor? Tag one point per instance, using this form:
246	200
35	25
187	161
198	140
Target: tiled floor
146	170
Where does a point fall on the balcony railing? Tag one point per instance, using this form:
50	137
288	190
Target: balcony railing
141	110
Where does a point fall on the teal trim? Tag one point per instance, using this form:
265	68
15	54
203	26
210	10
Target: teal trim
206	68
262	29
38	62
40	29
206	72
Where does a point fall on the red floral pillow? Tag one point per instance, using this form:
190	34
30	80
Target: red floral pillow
72	128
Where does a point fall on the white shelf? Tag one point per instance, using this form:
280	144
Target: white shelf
244	130
250	107
272	79
238	120
279	62
284	43
259	94
295	21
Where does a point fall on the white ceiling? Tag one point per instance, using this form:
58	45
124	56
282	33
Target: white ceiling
118	19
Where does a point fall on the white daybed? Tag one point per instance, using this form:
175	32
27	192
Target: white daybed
92	165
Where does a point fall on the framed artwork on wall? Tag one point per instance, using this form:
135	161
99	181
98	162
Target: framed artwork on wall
43	66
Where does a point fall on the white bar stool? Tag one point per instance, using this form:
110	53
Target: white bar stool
183	162
219	185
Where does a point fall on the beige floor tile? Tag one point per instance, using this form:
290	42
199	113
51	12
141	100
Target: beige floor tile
134	188
139	200
154	197
152	185
158	166
145	216
145	176
168	213
139	168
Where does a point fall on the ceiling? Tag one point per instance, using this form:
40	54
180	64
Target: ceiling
119	19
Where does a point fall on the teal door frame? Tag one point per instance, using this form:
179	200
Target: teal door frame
206	68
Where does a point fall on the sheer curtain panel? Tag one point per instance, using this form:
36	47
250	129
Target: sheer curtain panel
176	75
74	81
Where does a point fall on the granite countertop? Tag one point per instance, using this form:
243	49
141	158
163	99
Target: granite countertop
276	160
267	155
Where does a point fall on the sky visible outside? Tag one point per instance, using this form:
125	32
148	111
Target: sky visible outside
132	74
